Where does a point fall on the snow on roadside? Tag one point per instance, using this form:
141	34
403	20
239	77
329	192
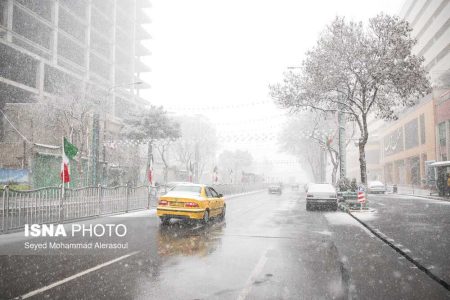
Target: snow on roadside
365	216
342	219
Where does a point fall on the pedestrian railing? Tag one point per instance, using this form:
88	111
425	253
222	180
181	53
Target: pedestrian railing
57	205
53	204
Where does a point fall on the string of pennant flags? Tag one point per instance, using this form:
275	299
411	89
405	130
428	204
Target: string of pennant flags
214	107
279	118
232	137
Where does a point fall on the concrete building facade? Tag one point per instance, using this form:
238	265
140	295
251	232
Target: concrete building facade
443	126
64	51
408	143
431	27
49	47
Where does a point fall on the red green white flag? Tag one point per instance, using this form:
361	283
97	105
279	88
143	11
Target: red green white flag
150	170
69	152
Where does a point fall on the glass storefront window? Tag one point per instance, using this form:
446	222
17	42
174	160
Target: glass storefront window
442	134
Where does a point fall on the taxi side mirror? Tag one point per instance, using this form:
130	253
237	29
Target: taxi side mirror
220	195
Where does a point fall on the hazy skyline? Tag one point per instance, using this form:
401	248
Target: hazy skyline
217	58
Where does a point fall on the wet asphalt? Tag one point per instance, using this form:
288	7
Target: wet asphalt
418	226
268	247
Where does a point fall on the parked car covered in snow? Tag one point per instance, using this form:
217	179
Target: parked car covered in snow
376	187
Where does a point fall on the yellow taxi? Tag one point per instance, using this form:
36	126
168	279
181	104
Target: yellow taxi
191	201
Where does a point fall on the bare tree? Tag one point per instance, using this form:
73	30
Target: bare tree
197	144
163	147
358	70
319	132
293	141
68	113
153	126
237	161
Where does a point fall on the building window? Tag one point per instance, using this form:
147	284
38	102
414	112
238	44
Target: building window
442	134
99	66
70	50
77	7
411	134
393	142
17	66
60	83
42	7
422	129
3	13
28	26
71	25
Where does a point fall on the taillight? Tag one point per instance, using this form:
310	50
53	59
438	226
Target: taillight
191	204
163	202
309	195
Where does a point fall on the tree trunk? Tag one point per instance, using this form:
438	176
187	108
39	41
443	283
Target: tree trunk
335	162
362	162
362	147
166	171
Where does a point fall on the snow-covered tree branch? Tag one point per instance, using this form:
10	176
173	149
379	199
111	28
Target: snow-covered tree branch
358	70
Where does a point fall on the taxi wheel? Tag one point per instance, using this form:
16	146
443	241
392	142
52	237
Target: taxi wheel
165	220
222	215
205	217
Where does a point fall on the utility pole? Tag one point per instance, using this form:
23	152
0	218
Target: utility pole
323	164
150	161
197	158
95	148
105	164
342	150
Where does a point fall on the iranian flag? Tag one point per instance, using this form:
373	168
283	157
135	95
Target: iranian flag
69	152
150	170
215	172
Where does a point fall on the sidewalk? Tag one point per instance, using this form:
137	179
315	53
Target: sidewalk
418	192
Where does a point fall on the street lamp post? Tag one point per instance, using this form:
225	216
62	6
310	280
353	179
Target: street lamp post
342	150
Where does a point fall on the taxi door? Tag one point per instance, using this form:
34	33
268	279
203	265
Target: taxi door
212	202
218	201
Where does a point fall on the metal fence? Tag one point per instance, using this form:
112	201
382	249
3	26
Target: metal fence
235	188
52	205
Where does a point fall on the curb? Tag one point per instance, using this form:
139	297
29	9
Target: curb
425	197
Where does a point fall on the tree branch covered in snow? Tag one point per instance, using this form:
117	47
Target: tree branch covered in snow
359	70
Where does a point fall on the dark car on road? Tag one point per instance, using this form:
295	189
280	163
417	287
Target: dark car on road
275	189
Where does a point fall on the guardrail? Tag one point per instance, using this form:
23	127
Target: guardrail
53	204
231	188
